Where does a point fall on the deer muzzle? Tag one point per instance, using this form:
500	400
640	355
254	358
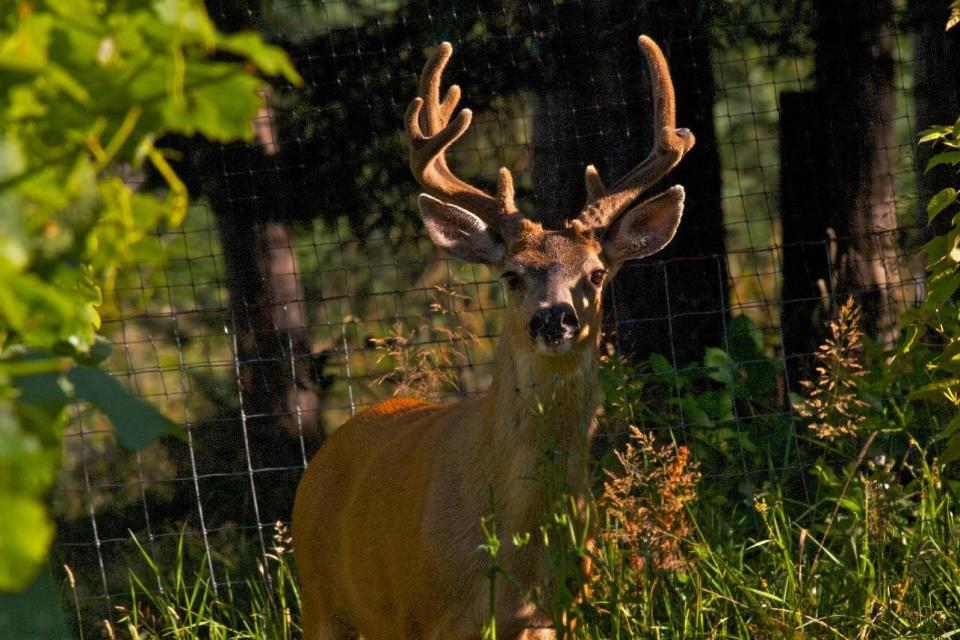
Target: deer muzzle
554	325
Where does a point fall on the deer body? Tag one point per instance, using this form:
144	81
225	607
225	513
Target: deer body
386	522
399	558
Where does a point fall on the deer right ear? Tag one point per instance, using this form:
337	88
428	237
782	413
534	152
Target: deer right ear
459	232
646	228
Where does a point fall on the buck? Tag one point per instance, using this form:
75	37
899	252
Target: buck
386	522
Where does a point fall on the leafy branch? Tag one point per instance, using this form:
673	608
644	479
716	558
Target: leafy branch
86	88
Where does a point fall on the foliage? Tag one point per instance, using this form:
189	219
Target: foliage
646	503
725	409
872	552
933	334
869	548
85	89
425	366
832	403
185	605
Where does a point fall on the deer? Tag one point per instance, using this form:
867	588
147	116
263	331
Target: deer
387	516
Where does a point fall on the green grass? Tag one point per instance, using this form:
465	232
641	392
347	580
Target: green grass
789	578
857	537
176	600
847	566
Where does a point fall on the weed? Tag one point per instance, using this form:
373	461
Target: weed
872	551
645	503
186	605
428	365
833	402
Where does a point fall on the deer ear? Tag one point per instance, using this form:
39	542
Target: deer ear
645	229
459	232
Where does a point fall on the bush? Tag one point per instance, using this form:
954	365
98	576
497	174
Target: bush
86	88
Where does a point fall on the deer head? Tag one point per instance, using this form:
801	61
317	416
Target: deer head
554	277
395	498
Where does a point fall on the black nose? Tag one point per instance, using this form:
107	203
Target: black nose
554	324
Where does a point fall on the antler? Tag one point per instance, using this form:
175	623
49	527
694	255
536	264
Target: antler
431	133
669	146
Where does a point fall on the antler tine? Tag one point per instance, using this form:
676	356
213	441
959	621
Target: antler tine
436	115
594	182
669	146
431	133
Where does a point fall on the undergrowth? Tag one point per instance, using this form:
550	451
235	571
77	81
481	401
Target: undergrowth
858	538
726	511
176	600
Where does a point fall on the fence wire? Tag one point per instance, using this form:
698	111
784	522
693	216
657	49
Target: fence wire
301	287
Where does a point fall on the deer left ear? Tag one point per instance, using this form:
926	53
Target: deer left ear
645	229
459	232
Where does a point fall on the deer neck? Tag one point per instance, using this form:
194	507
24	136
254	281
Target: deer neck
550	399
538	420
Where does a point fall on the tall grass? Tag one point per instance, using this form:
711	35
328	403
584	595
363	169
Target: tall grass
176	600
858	539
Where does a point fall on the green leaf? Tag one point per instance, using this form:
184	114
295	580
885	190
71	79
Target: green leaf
26	532
746	339
718	404
693	413
935	390
26	48
29	451
220	104
945	157
136	422
952	428
47	313
934	133
99	351
940	202
33	613
942	288
71	86
660	365
936	250
268	58
951	452
47	390
84	85
188	17
851	504
720	366
761	377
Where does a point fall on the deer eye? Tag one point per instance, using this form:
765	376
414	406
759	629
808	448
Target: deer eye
596	277
513	280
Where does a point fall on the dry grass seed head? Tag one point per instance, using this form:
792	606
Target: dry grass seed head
427	366
832	402
648	499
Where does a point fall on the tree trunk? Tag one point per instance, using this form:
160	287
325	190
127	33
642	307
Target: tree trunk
805	216
279	381
570	110
594	107
847	185
854	73
936	63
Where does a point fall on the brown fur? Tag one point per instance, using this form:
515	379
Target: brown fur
386	523
387	517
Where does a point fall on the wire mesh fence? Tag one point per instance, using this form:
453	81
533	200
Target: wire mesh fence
301	288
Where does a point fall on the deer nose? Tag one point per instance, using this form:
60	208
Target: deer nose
554	324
